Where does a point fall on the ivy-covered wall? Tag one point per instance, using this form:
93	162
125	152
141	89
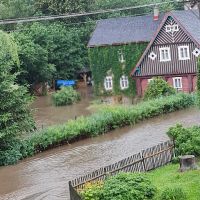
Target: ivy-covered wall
104	61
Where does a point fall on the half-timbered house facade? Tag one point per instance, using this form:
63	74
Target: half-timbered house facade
172	53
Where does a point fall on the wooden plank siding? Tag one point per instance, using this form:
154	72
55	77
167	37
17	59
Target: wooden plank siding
149	67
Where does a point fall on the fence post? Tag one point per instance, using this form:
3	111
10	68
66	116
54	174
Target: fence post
143	161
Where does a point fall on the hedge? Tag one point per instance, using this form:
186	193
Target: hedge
107	119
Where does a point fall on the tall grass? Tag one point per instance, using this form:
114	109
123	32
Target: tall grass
107	119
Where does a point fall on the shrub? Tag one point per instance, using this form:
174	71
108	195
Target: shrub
187	140
157	88
176	193
124	186
92	191
105	120
66	96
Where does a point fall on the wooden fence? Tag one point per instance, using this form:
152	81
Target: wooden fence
146	160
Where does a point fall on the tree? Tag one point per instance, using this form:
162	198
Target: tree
51	51
33	54
62	6
198	84
16	8
15	115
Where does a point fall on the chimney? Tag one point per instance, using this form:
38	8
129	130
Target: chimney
156	13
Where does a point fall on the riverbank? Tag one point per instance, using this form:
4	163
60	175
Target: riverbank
107	119
164	183
169	177
46	175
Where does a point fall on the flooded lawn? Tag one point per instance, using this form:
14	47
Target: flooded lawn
46	175
47	114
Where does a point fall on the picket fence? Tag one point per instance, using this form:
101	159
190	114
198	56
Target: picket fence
143	161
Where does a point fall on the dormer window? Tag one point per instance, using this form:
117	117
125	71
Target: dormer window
165	54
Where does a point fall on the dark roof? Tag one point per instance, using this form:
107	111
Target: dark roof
190	22
124	30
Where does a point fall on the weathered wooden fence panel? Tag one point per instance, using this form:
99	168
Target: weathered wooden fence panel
146	160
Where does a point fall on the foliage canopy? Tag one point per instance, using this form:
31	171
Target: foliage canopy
15	116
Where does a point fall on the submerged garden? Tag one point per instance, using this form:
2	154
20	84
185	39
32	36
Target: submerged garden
39	54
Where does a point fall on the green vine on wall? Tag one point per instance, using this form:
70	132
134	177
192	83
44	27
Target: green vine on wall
106	59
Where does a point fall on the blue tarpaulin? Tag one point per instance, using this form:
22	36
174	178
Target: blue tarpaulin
65	83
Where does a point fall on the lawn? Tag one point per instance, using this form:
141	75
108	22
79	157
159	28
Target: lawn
169	176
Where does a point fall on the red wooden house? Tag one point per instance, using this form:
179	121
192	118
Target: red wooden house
172	53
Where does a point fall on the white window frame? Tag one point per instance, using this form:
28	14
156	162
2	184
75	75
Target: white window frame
124	83
108	83
175	27
164	59
184	57
168	28
179	87
171	28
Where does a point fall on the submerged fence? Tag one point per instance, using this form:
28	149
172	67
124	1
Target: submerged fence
146	160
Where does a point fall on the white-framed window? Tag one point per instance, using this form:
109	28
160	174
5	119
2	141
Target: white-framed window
175	27
183	53
165	54
121	56
168	28
177	83
124	84
108	83
172	28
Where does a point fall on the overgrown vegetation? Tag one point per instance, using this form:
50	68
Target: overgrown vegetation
158	87
173	193
187	140
15	116
65	96
124	186
105	120
165	183
198	83
104	62
170	182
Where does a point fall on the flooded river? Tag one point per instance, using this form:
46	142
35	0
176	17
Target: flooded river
46	114
46	175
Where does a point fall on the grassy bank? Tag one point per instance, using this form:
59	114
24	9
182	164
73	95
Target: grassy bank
169	177
165	183
107	119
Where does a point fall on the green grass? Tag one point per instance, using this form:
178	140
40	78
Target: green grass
169	176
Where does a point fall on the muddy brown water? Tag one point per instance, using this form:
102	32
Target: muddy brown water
46	175
46	114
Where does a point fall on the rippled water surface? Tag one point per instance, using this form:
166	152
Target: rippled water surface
46	175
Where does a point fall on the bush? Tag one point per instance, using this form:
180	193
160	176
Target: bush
107	119
157	88
187	140
92	191
124	186
66	96
176	193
